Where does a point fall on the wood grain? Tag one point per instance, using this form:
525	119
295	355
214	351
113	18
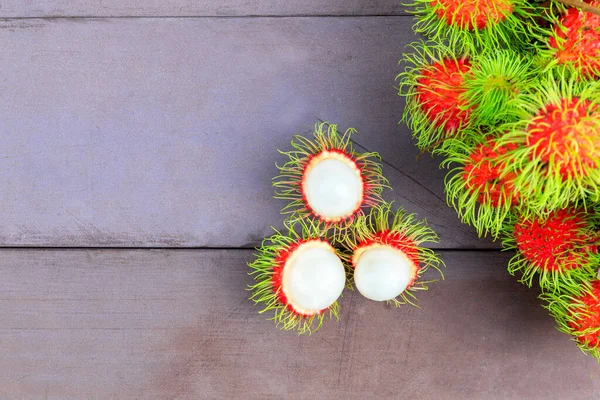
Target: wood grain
164	132
192	8
176	324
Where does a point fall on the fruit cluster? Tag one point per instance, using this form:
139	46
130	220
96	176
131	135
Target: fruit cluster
339	233
507	92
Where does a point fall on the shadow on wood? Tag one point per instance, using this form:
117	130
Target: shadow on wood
164	132
177	324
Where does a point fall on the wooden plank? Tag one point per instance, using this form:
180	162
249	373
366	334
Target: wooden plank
164	132
193	8
176	324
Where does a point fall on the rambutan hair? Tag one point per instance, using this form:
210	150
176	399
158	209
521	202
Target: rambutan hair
452	96
497	78
476	187
556	159
561	248
401	232
267	270
327	142
434	84
475	25
577	313
573	42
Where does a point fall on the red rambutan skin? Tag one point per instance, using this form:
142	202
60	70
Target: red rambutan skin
472	14
557	243
441	93
482	175
348	158
277	280
566	135
577	40
591	319
397	241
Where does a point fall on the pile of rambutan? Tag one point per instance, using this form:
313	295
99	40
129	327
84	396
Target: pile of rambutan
339	233
507	92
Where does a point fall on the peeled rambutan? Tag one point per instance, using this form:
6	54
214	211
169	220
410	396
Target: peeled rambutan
299	275
557	136
326	180
561	248
387	257
476	187
574	42
577	313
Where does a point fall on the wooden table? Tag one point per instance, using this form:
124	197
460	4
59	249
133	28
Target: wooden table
138	144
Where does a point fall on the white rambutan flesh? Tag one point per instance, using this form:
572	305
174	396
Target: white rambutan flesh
313	278
333	186
382	273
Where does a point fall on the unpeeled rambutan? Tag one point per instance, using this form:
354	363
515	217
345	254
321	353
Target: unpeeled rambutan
474	25
450	96
577	313
556	158
561	248
574	42
434	86
476	187
497	78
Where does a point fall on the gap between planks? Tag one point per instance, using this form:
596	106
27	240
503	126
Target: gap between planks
265	16
100	248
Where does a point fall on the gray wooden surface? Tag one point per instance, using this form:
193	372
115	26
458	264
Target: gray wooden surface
176	324
137	128
164	132
191	8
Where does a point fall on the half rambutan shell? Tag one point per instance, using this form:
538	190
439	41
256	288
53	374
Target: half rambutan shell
387	256
299	276
326	180
385	266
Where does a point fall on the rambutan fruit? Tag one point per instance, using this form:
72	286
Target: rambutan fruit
433	83
560	248
387	257
556	139
497	78
574	42
474	25
448	96
476	187
326	180
577	313
299	275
